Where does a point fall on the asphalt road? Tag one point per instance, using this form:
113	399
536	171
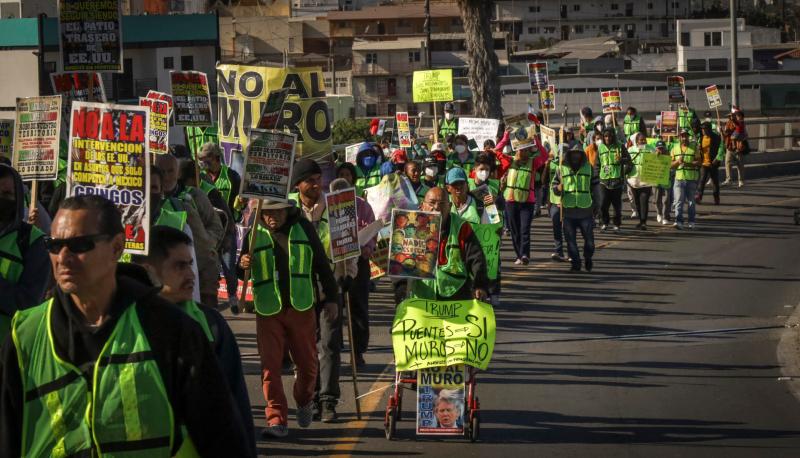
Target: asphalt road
667	349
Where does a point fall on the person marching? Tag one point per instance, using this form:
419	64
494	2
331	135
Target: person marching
641	191
519	184
713	154
573	184
288	262
686	160
368	169
448	125
118	368
633	123
412	172
613	159
664	193
461	269
554	200
735	133
461	155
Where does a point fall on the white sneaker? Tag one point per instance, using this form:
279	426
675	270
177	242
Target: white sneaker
664	221
677	225
604	227
741	184
518	262
725	183
634	214
615	229
690	226
658	218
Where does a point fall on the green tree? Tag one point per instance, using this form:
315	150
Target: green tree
349	131
476	16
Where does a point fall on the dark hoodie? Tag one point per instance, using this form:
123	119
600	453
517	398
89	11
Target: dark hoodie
29	290
577	212
195	385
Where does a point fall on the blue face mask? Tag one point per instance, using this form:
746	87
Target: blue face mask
368	161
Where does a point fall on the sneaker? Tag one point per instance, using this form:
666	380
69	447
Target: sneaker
558	257
305	415
741	184
690	226
589	265
276	431
518	262
615	229
604	227
725	183
664	221
658	218
634	214
643	227
316	411
525	261
328	414
677	225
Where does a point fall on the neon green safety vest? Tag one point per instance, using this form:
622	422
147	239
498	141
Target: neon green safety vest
171	216
492	183
11	266
610	165
553	165
372	178
449	277
448	127
222	183
577	191
470	215
685	171
266	291
323	232
518	181
124	412
422	190
454	161
196	313
637	156
631	125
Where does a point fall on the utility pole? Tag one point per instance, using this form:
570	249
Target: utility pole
428	34
734	55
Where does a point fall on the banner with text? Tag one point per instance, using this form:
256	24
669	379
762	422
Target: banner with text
90	35
714	99
654	169
433	85
268	165
676	90
479	129
191	98
537	76
427	333
6	137
403	130
163	96
611	100
547	98
415	244
158	135
74	87
36	137
441	400
108	156
669	123
343	226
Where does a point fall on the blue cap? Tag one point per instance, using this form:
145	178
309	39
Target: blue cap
366	146
454	175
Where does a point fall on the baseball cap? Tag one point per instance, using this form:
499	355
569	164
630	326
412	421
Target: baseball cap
438	147
661	144
455	175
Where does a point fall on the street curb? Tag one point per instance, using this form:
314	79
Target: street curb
788	353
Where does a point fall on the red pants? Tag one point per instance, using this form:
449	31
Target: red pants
274	334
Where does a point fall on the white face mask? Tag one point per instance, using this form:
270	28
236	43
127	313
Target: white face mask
460	149
482	175
448	116
430	172
598	142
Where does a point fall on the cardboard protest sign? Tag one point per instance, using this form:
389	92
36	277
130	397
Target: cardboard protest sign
6	137
547	98
343	224
155	95
403	130
74	87
415	244
489	237
108	156
654	169
427	333
158	135
440	400
191	98
273	109
676	90
268	165
521	135
379	260
479	129
714	99
351	152
433	85
669	123
36	136
244	90
612	101
537	75
90	35
549	138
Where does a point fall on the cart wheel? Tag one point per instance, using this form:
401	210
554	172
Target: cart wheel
474	428
391	426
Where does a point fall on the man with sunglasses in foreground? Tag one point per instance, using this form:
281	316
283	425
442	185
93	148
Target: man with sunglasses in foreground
107	366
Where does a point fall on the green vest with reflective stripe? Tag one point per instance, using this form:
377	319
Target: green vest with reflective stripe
518	181
685	171
610	164
266	291
196	313
172	217
207	187
492	183
372	178
631	125
637	156
470	215
577	191
223	183
448	127
454	161
125	411
449	277
11	262
323	231
553	165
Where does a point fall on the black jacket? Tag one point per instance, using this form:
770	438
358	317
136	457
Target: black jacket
196	387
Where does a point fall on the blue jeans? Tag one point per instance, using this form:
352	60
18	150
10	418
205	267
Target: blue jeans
571	227
558	236
228	261
684	191
519	216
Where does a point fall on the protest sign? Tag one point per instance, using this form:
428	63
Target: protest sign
669	123
403	130
342	224
158	135
381	127
479	194
6	137
268	165
36	137
244	90
440	400
537	75
415	244
521	131
612	101
74	87
547	98
489	237
433	85
714	99
480	129
676	90
393	191
191	98
90	35
654	169
108	156
380	255
155	95
428	333
549	138
351	152
272	110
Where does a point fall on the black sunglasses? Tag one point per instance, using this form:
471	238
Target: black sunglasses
77	245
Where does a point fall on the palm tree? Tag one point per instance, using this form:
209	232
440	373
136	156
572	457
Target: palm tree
483	64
